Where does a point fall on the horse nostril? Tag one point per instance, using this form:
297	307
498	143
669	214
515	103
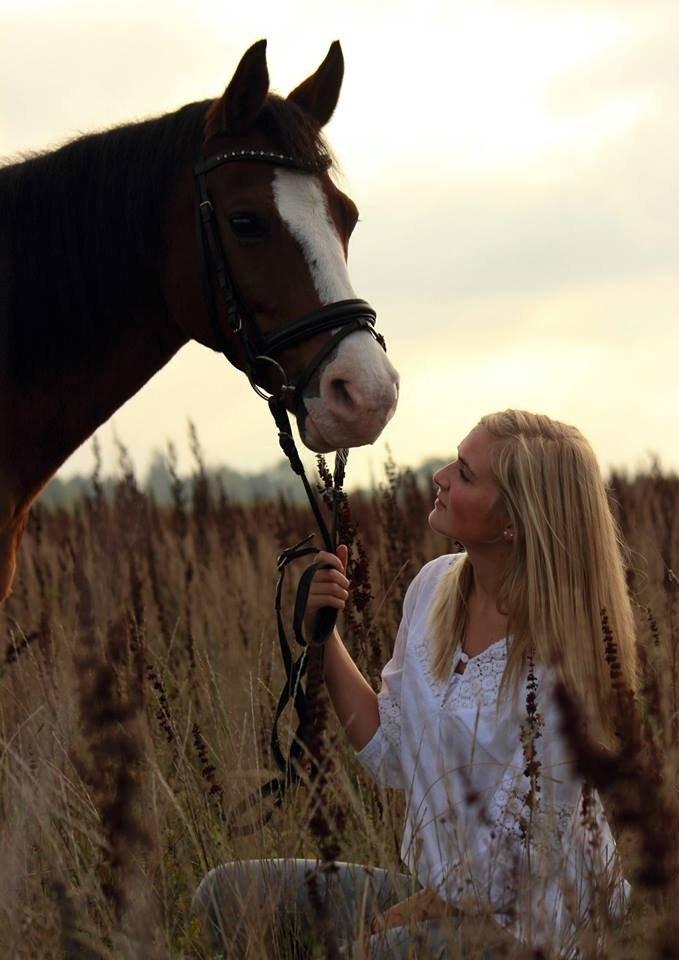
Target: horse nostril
340	394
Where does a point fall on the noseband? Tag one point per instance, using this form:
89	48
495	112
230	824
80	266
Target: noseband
342	318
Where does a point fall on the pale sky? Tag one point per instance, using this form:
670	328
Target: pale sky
516	165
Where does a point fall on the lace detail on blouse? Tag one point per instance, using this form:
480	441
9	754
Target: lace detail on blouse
546	828
479	684
390	719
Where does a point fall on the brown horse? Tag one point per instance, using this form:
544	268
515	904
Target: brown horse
102	277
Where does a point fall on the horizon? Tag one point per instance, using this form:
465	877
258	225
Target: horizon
281	471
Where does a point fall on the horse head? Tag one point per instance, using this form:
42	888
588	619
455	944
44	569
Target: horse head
283	228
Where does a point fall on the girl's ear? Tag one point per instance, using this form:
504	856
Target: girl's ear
505	518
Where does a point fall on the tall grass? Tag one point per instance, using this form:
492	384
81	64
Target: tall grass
139	676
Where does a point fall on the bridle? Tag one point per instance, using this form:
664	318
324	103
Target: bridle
342	318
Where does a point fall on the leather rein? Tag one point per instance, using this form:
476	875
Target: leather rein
262	351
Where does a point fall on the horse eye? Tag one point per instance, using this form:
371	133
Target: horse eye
247	226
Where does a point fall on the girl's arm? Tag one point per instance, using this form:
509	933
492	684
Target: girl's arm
353	698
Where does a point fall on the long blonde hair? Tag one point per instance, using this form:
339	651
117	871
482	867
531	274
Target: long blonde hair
566	568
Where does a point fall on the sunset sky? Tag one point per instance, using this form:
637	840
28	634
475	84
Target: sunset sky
516	165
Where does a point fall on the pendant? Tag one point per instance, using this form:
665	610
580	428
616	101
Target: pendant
461	664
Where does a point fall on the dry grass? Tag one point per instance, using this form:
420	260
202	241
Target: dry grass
139	677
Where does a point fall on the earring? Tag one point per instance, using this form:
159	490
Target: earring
508	535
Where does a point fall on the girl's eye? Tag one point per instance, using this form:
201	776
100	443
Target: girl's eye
247	226
463	475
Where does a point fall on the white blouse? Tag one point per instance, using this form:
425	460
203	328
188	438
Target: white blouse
469	831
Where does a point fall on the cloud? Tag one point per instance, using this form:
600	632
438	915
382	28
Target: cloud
553	227
645	65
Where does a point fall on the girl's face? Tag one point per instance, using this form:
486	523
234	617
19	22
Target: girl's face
468	507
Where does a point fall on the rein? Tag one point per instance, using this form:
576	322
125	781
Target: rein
341	318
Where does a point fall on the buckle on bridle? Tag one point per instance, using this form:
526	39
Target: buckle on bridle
267	395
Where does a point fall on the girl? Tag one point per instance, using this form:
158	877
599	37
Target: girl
502	838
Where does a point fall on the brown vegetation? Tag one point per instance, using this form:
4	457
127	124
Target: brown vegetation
139	677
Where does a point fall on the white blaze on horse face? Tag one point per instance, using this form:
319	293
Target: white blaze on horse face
358	387
303	208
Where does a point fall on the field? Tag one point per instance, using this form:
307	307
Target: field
140	672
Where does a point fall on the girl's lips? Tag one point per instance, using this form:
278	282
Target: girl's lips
440	504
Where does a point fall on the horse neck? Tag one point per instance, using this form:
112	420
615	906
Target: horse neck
40	426
85	323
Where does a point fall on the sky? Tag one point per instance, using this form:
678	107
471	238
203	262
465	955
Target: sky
516	166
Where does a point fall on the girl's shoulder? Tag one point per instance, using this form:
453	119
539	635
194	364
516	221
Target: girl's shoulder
423	586
435	569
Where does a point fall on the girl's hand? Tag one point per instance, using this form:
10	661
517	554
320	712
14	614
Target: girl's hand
421	906
329	588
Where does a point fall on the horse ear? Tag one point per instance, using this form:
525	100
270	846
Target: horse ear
319	93
237	109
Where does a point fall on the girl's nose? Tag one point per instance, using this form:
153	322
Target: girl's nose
439	475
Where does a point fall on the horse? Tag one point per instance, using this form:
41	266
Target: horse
104	275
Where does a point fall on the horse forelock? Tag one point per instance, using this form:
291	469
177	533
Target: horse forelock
295	132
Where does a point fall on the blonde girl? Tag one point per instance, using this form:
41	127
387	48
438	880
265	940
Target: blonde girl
500	831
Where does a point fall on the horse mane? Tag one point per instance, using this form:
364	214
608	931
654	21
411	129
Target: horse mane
81	249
